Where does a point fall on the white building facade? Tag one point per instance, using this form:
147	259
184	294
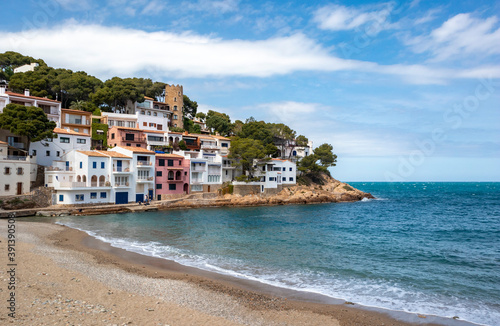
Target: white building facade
18	173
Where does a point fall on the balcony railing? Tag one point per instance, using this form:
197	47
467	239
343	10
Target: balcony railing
16	145
55	168
125	184
121	169
145	179
100	184
136	139
15	158
78	122
73	184
144	163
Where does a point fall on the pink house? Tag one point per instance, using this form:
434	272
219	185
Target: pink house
171	175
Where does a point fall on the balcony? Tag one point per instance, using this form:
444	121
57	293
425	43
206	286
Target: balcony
73	185
16	145
121	170
144	163
15	158
78	122
135	140
214	147
145	179
122	185
100	184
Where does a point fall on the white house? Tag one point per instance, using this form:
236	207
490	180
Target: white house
275	172
50	150
120	119
26	68
152	115
142	167
17	173
51	108
91	177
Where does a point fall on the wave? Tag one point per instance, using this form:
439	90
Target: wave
366	292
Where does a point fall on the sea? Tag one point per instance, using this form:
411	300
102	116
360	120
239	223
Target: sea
427	248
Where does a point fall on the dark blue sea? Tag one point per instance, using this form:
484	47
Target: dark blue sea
431	248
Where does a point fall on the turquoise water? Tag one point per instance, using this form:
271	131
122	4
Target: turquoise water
431	248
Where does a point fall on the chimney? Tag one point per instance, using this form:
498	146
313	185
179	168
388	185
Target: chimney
26	92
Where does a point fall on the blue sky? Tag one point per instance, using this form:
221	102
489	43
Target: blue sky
403	90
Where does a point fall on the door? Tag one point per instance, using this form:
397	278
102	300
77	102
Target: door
119	166
208	188
150	194
19	188
139	198
121	198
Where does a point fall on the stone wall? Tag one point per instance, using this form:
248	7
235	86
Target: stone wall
244	190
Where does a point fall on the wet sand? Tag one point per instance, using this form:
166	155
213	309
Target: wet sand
65	277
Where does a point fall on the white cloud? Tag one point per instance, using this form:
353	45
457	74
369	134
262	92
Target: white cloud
461	35
75	5
116	51
107	51
337	18
289	111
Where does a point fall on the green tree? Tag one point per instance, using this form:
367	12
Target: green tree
219	122
201	116
116	93
84	106
324	153
301	141
28	121
182	145
191	127
258	130
190	107
147	87
244	151
10	60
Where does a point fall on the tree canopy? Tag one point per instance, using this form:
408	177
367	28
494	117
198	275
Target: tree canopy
190	107
28	121
244	151
115	94
219	122
321	159
10	60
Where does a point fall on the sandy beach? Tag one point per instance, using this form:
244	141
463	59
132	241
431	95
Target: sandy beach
64	277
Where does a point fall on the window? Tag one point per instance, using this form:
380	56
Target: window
103	194
291	169
120	123
142	112
144	124
6	170
47	153
161	162
175	108
7	187
129	145
291	179
175	99
131	124
158	173
113	136
34	152
111	123
155	114
175	116
79	197
284	169
172	186
61	198
58	153
170	162
19	171
99	132
81	141
102	165
224	144
149	112
158	197
137	145
180	162
185	173
159	127
81	165
129	137
93	195
158	186
77	130
94	165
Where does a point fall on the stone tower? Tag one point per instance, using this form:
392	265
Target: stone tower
174	97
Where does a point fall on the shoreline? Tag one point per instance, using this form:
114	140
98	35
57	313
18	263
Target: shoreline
252	295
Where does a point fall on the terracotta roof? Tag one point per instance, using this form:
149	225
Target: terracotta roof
149	98
222	138
77	111
169	155
173	132
137	149
70	132
32	97
92	153
154	131
277	159
114	154
2	142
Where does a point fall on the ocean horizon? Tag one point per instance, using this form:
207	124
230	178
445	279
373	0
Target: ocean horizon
423	247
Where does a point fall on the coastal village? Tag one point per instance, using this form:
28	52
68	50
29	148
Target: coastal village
144	160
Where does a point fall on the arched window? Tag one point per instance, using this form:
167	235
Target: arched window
84	178
176	140
102	181
170	139
78	178
93	181
170	175
294	153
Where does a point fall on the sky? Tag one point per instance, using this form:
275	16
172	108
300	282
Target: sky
402	90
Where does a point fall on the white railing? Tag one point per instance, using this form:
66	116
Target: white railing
73	184
141	163
15	158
